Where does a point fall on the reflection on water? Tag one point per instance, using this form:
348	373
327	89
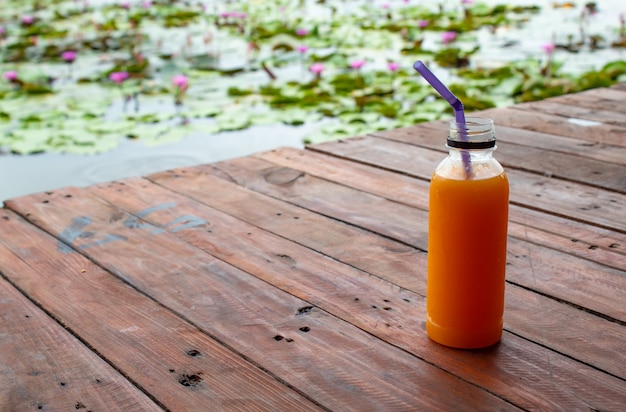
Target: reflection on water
20	175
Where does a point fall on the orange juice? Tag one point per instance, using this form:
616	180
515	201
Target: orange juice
467	233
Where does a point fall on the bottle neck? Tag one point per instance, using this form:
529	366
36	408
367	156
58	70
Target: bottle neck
475	155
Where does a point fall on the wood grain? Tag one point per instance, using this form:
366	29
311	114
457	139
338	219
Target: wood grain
570	111
597	99
44	367
605	290
327	359
338	289
553	163
557	125
180	367
538	152
593	243
589	204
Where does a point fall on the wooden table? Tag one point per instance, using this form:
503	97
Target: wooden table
295	279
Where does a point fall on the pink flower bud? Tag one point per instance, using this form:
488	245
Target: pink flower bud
548	48
69	56
448	37
423	24
10	75
302	48
357	64
302	32
393	66
118	77
180	81
317	68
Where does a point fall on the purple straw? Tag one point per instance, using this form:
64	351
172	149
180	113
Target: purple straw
459	114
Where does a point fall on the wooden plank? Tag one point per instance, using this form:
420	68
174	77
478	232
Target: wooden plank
563	318
613	94
603	294
432	135
571	167
573	112
375	254
329	360
300	274
590	204
592	243
180	367
43	367
599	99
556	125
619	86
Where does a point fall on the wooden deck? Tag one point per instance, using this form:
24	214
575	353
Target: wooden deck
295	279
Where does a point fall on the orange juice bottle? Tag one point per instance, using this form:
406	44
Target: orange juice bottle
467	232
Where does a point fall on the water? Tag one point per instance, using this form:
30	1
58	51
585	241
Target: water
21	175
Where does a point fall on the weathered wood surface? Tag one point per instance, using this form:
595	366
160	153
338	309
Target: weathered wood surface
295	279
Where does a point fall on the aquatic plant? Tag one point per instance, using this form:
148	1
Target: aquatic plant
140	48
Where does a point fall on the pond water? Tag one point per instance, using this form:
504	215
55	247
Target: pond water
20	175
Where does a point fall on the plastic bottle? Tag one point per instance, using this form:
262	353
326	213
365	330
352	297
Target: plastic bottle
467	235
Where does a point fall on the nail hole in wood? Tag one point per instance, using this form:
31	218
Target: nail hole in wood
189	380
305	310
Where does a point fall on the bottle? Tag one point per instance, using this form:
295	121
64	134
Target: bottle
467	234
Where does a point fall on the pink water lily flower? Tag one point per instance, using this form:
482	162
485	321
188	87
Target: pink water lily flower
10	75
27	19
548	48
303	48
233	14
448	37
302	32
146	4
385	6
118	77
180	81
317	68
69	56
423	24
467	2
393	66
357	64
